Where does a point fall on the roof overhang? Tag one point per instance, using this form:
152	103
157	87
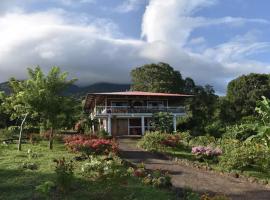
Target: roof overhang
93	98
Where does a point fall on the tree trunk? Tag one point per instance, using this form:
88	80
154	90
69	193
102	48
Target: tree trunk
20	136
51	139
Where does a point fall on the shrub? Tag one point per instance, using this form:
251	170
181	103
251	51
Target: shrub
205	140
90	145
215	129
240	132
99	167
152	141
103	134
171	140
238	155
64	174
163	122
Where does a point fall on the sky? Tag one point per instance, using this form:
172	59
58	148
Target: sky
211	41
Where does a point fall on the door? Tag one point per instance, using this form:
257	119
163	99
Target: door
120	127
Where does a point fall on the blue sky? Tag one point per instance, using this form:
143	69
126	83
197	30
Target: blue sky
211	41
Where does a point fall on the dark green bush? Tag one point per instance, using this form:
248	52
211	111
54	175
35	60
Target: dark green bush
152	141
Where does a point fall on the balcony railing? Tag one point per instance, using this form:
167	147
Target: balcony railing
103	110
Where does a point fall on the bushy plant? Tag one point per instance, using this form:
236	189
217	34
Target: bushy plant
172	140
152	141
240	131
215	129
163	122
99	167
239	155
103	134
90	145
205	140
64	174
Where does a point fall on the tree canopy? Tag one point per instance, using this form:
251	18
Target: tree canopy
244	91
41	97
159	77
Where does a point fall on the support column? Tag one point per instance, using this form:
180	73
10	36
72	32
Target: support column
109	128
174	123
142	125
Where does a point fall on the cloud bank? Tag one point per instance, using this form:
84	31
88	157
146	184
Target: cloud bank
93	49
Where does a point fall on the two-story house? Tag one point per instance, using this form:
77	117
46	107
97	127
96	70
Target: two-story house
131	112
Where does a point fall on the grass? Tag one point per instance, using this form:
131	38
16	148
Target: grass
18	183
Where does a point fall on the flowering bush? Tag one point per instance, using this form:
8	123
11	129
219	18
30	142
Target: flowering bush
206	152
158	141
90	145
99	167
171	140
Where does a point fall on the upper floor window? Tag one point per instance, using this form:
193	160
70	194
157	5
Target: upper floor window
119	103
155	104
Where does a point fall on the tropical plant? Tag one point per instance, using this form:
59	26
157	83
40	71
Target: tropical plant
263	134
163	122
41	98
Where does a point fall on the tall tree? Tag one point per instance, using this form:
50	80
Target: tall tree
41	97
244	91
159	77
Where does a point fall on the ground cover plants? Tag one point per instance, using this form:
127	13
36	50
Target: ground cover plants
97	177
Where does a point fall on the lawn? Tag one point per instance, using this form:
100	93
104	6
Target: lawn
19	183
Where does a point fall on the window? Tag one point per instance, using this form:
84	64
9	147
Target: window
151	104
119	103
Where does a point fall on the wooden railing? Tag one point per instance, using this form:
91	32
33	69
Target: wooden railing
103	110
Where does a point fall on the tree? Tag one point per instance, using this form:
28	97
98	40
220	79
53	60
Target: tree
159	77
201	110
244	91
41	98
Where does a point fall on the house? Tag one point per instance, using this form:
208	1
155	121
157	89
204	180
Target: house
131	112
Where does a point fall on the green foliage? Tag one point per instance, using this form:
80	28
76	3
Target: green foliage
263	129
103	167
103	134
243	93
159	77
215	129
239	155
205	140
240	131
152	141
41	97
163	122
201	110
64	174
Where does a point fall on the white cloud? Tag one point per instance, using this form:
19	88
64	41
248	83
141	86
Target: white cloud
94	50
173	21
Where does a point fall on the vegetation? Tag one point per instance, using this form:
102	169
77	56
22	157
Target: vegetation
53	181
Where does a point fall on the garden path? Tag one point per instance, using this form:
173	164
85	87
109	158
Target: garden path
199	180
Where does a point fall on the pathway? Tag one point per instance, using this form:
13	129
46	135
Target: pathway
198	180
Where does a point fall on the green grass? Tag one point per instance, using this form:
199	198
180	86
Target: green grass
17	183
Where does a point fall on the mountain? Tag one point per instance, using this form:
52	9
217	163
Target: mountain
80	91
5	87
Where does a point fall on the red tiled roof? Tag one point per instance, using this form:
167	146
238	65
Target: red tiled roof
139	93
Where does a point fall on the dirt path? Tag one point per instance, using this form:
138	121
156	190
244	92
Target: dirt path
198	180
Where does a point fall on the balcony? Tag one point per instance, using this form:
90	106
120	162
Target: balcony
124	110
